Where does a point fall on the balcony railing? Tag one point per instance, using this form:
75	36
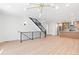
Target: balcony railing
31	35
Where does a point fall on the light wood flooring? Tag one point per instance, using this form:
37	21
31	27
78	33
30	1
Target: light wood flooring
52	45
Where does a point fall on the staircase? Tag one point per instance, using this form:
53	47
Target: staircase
39	25
34	34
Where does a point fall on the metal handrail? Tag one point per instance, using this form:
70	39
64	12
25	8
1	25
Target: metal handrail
39	25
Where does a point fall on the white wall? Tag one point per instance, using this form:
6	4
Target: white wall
11	25
52	28
12	21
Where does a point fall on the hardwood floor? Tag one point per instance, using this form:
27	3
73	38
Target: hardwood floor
52	45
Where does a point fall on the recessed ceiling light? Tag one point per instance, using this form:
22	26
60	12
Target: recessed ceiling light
27	3
51	4
8	6
56	7
25	9
67	5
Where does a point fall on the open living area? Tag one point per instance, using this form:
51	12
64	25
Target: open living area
39	28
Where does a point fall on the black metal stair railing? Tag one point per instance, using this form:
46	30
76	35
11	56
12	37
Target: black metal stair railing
39	25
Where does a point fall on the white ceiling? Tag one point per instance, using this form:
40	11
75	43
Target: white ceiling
64	12
12	8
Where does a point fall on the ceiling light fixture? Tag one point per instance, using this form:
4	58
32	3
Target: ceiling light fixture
9	6
52	4
25	9
27	4
67	5
57	7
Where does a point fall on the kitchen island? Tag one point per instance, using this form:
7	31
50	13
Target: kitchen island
70	34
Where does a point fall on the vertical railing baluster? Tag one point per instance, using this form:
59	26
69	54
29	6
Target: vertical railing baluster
20	37
32	35
45	34
40	34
